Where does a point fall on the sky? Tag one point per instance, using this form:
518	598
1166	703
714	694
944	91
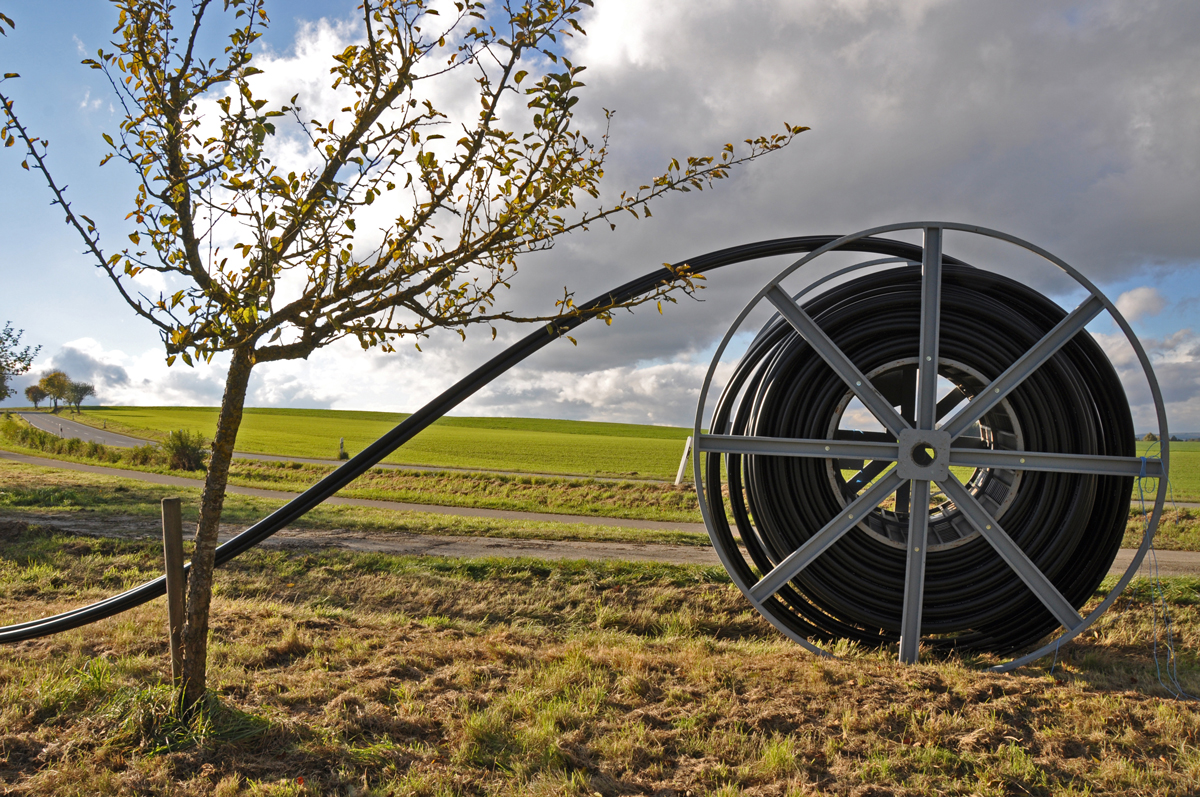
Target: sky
1072	125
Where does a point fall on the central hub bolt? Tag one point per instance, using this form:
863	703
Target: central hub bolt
924	455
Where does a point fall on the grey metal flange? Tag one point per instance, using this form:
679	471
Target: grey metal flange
924	451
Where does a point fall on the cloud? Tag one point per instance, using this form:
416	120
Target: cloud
1074	127
1175	360
1140	302
81	365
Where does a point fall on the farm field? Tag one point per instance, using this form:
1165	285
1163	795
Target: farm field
337	673
520	444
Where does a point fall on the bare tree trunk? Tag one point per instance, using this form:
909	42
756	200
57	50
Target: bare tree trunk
200	579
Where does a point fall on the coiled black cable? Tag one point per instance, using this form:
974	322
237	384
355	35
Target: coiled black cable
1070	525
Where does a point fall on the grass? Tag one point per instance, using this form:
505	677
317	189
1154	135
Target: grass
632	499
624	499
368	674
508	444
31	488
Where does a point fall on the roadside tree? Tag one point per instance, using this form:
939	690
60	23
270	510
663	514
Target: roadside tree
55	384
35	395
395	218
14	360
78	392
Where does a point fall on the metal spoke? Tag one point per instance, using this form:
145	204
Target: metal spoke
1065	463
914	574
871	398
931	314
847	519
788	447
1025	365
1021	564
908	411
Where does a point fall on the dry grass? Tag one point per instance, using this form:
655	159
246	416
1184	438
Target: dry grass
1178	530
366	674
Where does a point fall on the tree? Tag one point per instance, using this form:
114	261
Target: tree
77	392
1150	437
14	360
55	384
397	220
35	395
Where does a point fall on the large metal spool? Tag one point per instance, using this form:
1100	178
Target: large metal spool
990	504
1031	408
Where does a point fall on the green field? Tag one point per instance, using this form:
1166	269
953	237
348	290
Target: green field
520	444
529	445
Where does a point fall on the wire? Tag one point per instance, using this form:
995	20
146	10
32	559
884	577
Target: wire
1176	689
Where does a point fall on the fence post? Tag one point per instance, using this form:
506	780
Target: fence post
172	520
687	447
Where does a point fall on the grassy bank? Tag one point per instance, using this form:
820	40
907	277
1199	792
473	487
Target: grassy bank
29	488
367	674
518	444
37	488
634	499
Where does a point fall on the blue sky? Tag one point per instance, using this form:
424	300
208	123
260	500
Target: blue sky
1072	126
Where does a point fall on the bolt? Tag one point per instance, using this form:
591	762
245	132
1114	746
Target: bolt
928	358
997	390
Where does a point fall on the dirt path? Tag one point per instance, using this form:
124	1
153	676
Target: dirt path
398	543
1170	563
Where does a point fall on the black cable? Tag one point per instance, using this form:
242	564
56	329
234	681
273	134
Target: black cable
1070	525
445	402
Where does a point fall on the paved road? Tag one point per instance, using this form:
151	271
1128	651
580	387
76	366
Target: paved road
65	427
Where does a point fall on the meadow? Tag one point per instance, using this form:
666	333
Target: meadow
525	445
367	674
513	444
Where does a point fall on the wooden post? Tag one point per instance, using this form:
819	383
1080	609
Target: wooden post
172	519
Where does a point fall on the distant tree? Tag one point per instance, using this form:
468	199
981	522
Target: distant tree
77	392
455	198
35	395
1150	437
14	360
1175	439
55	384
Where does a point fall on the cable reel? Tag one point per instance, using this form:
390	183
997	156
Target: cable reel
987	505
